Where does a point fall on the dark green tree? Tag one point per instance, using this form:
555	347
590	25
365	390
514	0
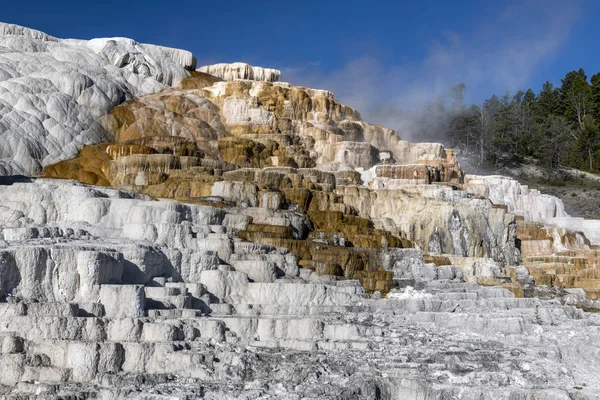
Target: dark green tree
576	97
595	88
587	139
558	126
554	132
529	98
547	102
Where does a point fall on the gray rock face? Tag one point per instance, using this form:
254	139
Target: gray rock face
54	93
108	294
440	219
530	203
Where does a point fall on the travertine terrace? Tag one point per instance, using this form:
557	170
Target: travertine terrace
172	232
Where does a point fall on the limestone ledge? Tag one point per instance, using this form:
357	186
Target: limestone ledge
239	70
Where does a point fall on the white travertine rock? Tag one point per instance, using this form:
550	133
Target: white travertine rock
108	293
224	284
239	70
82	358
98	268
123	301
11	29
440	220
152	297
341	155
530	203
590	227
474	267
406	152
54	93
237	191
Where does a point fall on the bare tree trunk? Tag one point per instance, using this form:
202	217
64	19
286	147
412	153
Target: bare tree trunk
579	103
481	151
482	138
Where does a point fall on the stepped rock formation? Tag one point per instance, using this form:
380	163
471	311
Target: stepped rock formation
225	235
238	70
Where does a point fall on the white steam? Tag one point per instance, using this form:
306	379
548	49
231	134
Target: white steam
502	54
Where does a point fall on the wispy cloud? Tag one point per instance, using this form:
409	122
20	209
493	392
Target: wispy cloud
502	54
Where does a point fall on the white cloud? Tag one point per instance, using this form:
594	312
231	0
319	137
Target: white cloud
502	54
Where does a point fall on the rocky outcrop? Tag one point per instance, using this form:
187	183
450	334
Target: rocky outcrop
557	250
521	200
187	143
530	204
239	70
55	92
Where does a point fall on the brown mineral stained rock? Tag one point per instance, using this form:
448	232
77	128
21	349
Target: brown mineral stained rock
254	144
420	173
437	259
310	114
338	246
91	167
117	150
256	232
172	113
340	261
557	257
181	189
168	145
199	80
281	178
247	153
527	230
568	269
345	178
257	152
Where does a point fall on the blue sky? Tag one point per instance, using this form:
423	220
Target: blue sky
392	54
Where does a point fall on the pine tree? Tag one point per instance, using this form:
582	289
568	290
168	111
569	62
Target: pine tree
529	98
576	97
587	139
595	108
547	102
559	126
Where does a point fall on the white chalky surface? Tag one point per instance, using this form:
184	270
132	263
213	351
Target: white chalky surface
54	93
